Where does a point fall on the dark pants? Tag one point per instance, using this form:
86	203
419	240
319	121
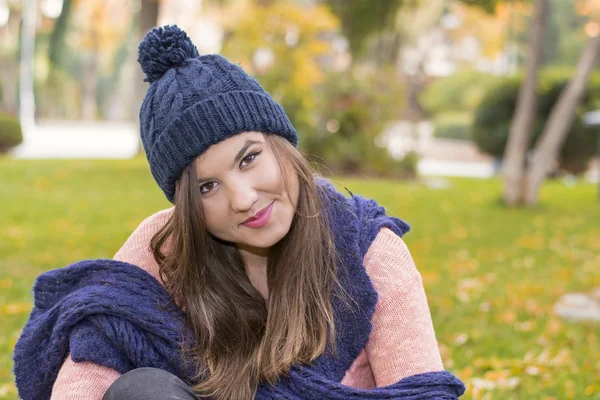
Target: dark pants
149	384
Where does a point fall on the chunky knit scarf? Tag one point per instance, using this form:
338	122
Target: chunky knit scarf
117	315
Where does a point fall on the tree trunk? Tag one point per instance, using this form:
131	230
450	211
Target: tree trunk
148	19
559	122
9	65
57	44
26	95
9	74
89	85
524	115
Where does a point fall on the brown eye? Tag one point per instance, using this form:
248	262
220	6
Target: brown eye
249	158
207	187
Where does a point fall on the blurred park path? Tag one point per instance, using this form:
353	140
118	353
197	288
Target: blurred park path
77	139
449	157
119	140
103	139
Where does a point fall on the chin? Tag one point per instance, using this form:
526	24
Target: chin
268	239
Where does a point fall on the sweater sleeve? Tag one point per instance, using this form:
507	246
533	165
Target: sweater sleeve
82	381
402	342
87	380
136	249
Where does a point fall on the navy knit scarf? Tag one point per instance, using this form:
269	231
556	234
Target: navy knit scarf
117	315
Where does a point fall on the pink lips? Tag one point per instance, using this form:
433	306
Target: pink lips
260	219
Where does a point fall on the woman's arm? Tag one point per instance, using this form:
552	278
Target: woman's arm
82	381
402	342
87	380
136	249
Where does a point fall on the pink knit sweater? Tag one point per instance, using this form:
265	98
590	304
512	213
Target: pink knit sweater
402	342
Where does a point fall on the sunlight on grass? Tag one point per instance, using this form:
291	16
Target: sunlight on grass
491	274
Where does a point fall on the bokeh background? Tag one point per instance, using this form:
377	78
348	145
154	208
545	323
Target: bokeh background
475	120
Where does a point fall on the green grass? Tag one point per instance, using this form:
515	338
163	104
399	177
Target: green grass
492	274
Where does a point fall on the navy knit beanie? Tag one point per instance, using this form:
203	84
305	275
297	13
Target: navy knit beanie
196	101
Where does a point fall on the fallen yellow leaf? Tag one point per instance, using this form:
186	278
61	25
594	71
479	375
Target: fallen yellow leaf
16	308
533	242
508	317
591	389
7	389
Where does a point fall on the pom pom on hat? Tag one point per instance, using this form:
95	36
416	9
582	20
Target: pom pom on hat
207	101
163	49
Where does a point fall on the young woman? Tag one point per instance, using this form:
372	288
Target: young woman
261	282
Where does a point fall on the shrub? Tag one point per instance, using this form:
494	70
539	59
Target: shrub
407	166
353	109
459	92
10	132
493	117
453	125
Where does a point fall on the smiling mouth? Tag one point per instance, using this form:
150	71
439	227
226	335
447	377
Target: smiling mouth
258	214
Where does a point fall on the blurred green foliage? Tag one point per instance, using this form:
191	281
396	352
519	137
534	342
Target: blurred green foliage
58	45
451	101
10	132
295	41
564	39
460	92
338	114
492	121
453	125
360	19
353	110
407	166
488	6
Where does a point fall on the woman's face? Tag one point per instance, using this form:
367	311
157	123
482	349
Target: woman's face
243	194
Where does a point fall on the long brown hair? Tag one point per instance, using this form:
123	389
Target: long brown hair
241	339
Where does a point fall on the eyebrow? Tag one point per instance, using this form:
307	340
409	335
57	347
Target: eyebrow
238	156
240	153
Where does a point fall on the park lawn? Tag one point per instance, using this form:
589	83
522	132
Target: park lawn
492	275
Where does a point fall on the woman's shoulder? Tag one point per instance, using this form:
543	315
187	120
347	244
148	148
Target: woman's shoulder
388	261
136	249
159	218
364	213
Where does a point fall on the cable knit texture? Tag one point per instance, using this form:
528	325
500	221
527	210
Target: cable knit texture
107	313
196	101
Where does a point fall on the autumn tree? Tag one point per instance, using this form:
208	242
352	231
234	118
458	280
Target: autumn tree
391	26
557	126
146	20
284	51
522	121
523	179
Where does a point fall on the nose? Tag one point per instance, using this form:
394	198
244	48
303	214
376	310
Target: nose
242	197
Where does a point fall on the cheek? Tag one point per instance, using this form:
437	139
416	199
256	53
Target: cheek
272	174
293	186
216	219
